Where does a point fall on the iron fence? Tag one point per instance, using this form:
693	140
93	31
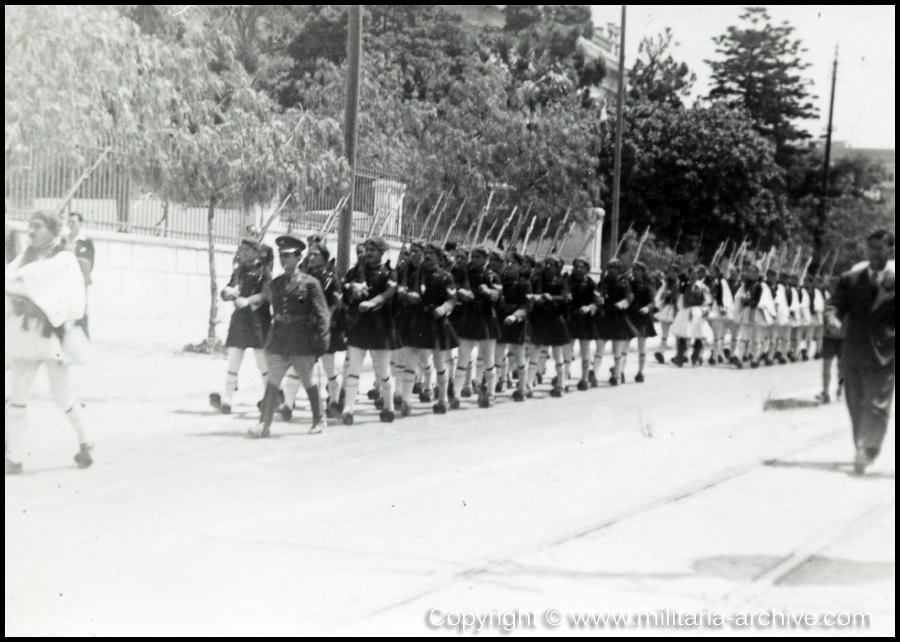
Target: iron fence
110	198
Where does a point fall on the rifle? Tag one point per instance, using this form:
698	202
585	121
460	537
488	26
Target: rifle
272	216
433	210
415	215
434	224
822	263
84	176
559	229
488	235
329	222
805	269
543	234
640	246
565	238
834	262
519	225
481	217
452	223
622	240
528	234
506	223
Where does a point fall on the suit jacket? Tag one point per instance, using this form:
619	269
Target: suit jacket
868	319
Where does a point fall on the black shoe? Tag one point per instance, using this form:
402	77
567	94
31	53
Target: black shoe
768	361
737	363
754	363
727	352
225	409
439	408
485	401
518	396
721	360
333	411
398	400
215	400
712	361
554	382
347	419
417	388
286	412
386	416
639	378
792	358
746	358
498	389
659	357
373	393
582	385
466	392
379	403
529	394
613	381
817	356
83	456
824	397
454	403
556	392
341	398
405	410
804	355
425	396
592	380
539	378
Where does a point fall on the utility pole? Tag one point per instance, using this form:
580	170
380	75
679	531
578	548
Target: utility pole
617	170
354	47
823	201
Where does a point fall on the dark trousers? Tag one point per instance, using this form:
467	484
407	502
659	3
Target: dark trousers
869	396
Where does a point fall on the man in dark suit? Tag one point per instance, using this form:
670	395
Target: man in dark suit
863	302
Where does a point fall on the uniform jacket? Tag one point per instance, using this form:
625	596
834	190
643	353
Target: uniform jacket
300	316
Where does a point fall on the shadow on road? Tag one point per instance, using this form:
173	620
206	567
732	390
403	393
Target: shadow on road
845	468
790	404
817	570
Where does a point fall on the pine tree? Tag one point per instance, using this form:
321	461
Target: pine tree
761	72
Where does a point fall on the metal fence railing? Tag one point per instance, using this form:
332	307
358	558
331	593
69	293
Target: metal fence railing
111	199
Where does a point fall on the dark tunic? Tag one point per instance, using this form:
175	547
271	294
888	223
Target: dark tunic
249	327
613	324
644	296
514	298
548	318
331	286
476	320
375	329
421	328
300	316
583	326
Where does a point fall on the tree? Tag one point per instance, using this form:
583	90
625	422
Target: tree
659	78
702	169
761	72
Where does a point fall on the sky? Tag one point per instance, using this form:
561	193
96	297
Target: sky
864	96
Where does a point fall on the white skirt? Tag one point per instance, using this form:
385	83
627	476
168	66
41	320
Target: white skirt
691	324
666	314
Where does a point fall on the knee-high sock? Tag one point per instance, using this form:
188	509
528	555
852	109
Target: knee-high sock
235	356
442	385
352	388
407	382
490	381
73	414
642	360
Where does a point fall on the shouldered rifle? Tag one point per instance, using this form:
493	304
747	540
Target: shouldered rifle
453	223
621	241
506	223
560	228
272	216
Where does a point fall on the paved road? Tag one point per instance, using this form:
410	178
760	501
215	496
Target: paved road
680	493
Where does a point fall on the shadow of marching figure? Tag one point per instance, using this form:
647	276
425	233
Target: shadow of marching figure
790	404
818	570
828	466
